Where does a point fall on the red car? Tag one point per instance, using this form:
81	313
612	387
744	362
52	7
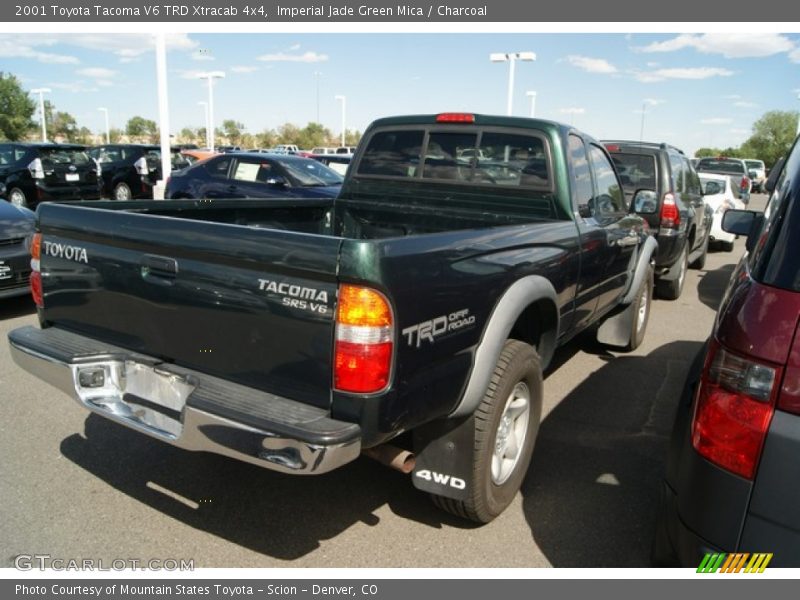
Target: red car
733	473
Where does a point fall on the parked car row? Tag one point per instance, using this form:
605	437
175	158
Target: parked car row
732	474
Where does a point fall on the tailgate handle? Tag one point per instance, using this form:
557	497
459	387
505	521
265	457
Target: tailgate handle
157	268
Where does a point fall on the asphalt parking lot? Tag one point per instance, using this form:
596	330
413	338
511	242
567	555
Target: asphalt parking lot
78	486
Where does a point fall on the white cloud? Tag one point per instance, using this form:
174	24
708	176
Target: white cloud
653	101
243	69
732	97
97	72
729	45
738	131
716	121
17	47
681	73
294	48
104	83
75	87
591	65
652	64
307	57
572	110
794	55
745	104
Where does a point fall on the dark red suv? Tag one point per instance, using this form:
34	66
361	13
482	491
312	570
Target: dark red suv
733	472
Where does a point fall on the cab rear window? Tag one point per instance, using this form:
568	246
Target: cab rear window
64	156
493	158
716	165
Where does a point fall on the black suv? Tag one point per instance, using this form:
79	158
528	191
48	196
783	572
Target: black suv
35	172
675	210
131	170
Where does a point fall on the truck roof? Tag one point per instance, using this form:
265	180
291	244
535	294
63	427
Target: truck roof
479	119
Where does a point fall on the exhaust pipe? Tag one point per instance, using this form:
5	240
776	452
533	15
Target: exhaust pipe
392	456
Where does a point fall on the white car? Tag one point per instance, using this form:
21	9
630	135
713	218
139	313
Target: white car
760	173
721	192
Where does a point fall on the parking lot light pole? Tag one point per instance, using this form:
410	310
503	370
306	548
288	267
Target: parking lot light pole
163	116
511	58
798	118
316	76
641	129
532	96
104	110
344	104
205	116
42	92
210	76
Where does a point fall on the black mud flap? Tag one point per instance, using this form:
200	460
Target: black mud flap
444	451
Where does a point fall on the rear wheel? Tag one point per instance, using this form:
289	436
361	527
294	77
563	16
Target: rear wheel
641	311
700	261
726	246
122	192
506	424
17	197
670	289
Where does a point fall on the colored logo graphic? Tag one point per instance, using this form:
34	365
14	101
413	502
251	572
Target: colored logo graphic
735	563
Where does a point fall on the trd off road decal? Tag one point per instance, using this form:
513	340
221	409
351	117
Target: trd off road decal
429	330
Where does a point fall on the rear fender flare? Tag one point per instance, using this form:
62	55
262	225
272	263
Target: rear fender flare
522	294
649	248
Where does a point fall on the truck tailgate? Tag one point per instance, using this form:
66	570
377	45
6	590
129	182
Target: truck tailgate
253	306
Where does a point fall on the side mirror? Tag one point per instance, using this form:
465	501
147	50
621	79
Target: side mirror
772	180
277	181
645	202
743	222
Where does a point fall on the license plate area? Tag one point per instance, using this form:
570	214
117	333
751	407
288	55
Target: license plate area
142	396
72	176
6	272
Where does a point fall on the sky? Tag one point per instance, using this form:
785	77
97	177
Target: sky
695	89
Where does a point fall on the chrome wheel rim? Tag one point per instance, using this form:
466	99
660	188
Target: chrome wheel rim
17	199
122	193
512	430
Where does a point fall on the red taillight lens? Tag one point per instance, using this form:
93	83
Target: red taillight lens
364	340
670	216
36	289
745	184
612	147
455	118
36	276
735	404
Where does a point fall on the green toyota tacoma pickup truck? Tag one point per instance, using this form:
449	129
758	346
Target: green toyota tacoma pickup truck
417	309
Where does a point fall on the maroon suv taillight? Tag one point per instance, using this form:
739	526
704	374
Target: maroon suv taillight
670	216
734	407
745	184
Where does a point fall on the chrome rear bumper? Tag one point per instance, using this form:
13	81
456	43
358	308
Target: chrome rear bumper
187	409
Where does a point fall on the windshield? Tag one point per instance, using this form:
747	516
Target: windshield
720	165
64	156
307	172
754	164
177	159
9	154
636	171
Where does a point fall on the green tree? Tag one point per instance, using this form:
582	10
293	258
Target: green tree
265	139
773	135
142	129
115	135
313	135
16	109
288	133
232	131
85	136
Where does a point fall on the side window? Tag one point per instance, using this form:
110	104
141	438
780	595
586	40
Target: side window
582	177
608	202
219	168
693	185
676	172
247	170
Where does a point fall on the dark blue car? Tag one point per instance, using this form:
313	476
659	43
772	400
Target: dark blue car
16	225
251	175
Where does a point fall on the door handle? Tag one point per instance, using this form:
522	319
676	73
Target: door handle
160	270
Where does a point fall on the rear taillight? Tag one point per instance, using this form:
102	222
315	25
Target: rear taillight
735	404
745	184
141	166
364	340
36	275
36	168
670	216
